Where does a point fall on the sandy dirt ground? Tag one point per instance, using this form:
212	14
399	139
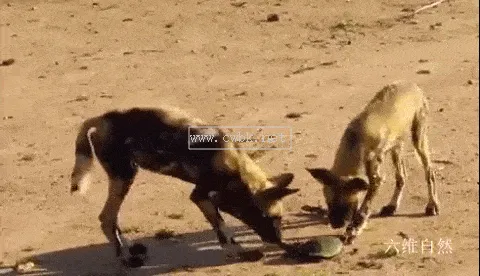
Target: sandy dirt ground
224	62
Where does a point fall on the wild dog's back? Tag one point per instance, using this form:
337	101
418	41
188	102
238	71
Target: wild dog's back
390	113
154	134
385	119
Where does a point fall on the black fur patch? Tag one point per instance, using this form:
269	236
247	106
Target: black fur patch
352	139
149	139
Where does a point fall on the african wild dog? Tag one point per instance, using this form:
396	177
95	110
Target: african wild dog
396	110
157	140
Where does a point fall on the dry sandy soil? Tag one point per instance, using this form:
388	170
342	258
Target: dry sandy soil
223	62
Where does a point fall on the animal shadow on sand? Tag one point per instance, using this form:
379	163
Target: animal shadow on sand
180	254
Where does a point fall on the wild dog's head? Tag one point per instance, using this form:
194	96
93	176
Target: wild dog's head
254	198
261	211
341	195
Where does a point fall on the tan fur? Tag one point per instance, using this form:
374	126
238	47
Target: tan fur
394	112
81	176
380	126
236	160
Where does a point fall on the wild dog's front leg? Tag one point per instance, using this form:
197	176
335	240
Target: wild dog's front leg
360	218
225	237
400	175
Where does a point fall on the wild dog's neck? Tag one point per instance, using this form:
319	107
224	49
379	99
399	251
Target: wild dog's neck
348	159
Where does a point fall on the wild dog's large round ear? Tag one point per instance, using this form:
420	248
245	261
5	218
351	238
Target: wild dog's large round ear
323	175
282	180
356	185
276	193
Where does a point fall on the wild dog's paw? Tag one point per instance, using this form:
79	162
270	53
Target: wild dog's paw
133	262
388	211
137	249
349	236
432	209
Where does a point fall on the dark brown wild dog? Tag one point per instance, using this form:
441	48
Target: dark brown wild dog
396	110
225	177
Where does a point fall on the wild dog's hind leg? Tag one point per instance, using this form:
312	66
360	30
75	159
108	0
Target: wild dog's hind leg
400	175
420	142
121	175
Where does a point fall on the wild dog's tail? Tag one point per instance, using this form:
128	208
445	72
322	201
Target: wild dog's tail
84	153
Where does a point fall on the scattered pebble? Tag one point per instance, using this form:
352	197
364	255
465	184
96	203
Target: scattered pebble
7	117
402	235
273	17
472	82
83	67
244	93
434	26
293	115
422	60
81	98
302	69
238	4
28	249
423	72
7	62
27	157
311	155
370	264
328	63
168	25
441	109
127	20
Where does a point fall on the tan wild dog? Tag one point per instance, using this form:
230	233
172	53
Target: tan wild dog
382	127
161	140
